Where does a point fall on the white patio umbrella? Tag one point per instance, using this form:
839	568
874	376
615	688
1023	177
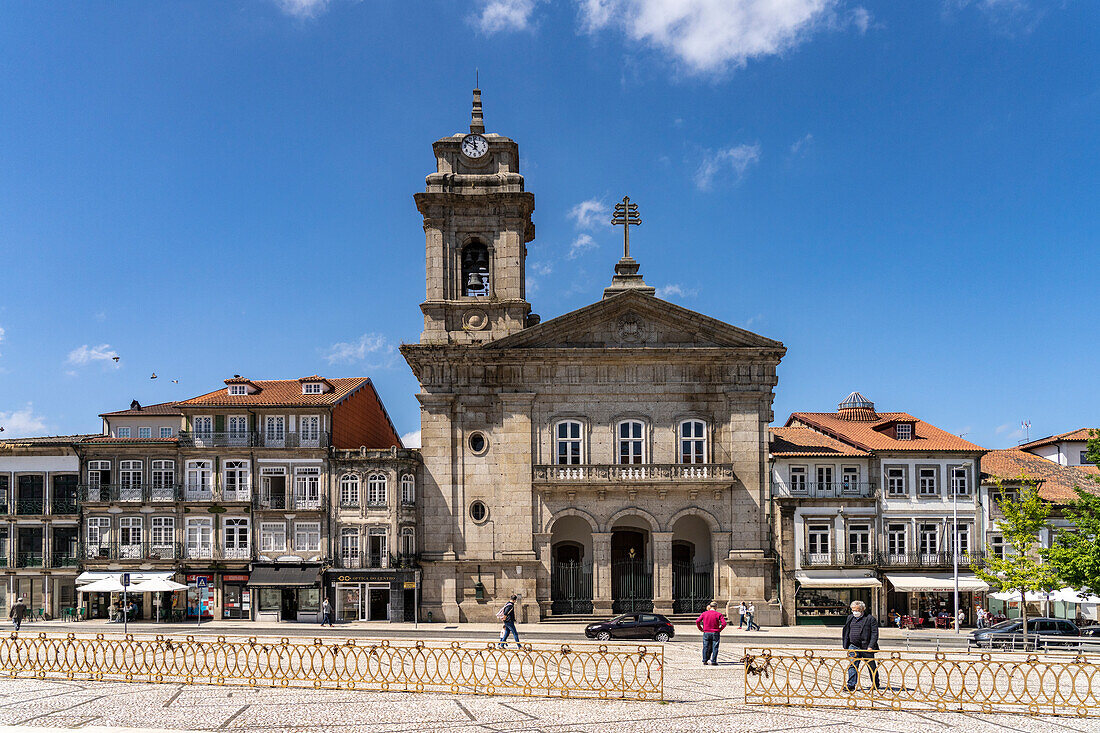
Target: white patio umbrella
1070	595
155	585
106	585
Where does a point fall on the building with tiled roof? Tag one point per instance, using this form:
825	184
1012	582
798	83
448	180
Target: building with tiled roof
1055	483
1066	449
865	505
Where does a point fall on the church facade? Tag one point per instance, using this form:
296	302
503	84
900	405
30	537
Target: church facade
612	459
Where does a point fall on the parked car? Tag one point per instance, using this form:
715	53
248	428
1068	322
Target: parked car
1091	631
1010	633
632	626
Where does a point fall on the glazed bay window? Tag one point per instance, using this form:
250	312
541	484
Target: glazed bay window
895	482
896	546
960	484
199	538
859	542
349	547
236	482
631	442
927	485
163	480
97	535
307	488
798	479
235	530
129	538
129	480
200	481
693	441
376	490
272	537
408	489
567	443
307	536
818	543
349	490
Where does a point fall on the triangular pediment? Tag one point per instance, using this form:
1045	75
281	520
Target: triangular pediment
633	320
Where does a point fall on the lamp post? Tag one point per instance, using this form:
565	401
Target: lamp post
955	541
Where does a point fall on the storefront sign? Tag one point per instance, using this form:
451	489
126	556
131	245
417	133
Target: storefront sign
362	577
226	578
410	585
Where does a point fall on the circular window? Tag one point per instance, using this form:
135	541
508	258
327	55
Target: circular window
478	511
478	443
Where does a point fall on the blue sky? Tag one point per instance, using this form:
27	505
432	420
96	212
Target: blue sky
905	194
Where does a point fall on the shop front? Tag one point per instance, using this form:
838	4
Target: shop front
200	595
98	604
823	597
285	591
931	596
372	595
236	596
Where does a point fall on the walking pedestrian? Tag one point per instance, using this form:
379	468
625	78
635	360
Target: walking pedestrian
750	617
711	623
741	615
326	613
860	638
508	616
17	612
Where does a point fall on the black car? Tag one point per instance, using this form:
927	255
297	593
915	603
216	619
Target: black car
632	626
1009	633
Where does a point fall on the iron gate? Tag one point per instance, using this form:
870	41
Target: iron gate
692	587
631	586
570	588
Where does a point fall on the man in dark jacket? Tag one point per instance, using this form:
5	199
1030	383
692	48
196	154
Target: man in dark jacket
860	637
17	612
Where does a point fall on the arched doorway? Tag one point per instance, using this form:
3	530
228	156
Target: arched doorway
571	566
692	565
631	566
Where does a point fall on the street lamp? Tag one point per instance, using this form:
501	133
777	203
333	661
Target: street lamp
955	540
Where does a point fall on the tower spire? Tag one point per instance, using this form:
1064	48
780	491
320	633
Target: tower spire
477	121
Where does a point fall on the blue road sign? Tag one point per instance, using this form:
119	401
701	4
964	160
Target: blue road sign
201	581
124	579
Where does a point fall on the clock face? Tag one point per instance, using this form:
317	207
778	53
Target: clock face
474	146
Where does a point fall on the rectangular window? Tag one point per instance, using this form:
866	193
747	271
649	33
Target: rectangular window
964	538
798	479
274	431
859	541
236	482
377	548
631	442
238	429
307	488
928	482
123	432
311	388
1084	461
825	478
309	431
236	533
928	536
273	537
166	432
895	482
568	443
408	541
818	538
693	441
238	389
895	540
408	489
98	533
200	538
129	537
145	433
307	536
349	548
959	481
129	479
163	533
997	545
200	480
905	431
849	479
203	424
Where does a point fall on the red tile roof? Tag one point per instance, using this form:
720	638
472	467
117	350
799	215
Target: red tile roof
871	435
1056	482
278	393
163	409
1079	434
790	442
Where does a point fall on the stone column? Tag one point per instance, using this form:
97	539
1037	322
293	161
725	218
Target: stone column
601	573
542	580
662	572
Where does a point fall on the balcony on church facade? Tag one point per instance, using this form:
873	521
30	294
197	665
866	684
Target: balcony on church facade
632	473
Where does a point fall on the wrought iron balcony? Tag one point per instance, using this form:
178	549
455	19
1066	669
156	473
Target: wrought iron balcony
141	551
362	560
840	559
254	439
29	560
126	493
877	558
288	502
64	560
632	473
836	490
64	505
30	506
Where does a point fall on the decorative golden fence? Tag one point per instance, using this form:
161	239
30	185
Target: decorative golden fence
996	682
617	672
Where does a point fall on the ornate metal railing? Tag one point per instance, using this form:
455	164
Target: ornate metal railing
64	560
254	439
63	505
288	502
877	558
30	506
141	551
619	672
137	493
1001	682
840	559
29	560
632	473
836	490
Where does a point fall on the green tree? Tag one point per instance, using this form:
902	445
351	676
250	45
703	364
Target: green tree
1021	569
1075	553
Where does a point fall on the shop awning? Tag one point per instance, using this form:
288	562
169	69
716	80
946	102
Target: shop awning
936	582
837	579
135	577
285	576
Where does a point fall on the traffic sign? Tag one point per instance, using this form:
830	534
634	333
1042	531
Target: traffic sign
125	580
201	582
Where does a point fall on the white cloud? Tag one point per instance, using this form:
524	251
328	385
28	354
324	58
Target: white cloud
22	423
710	36
411	440
505	15
541	269
580	245
801	143
860	18
675	290
737	159
590	214
303	8
84	355
371	349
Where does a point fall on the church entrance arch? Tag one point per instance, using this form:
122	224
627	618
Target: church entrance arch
692	565
631	566
571	566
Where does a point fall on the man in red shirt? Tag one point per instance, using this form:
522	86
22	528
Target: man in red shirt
711	623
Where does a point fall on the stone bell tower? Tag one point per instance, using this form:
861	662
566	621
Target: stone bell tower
477	223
